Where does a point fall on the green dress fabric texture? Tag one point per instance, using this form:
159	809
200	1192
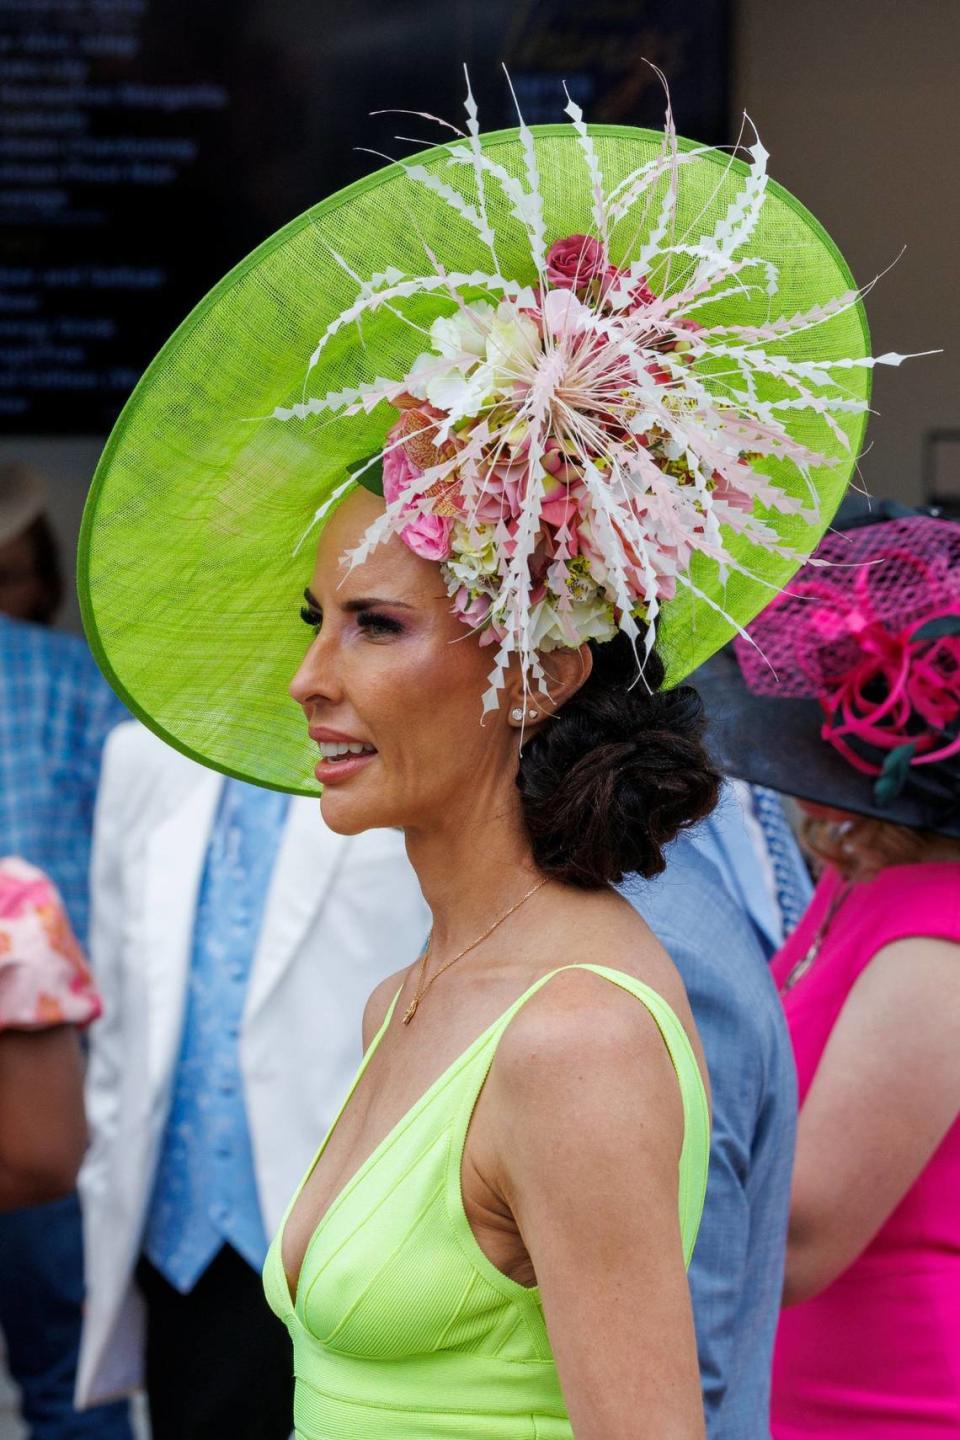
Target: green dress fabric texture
402	1328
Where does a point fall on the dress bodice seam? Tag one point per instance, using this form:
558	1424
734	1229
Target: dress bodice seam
365	1290
413	1409
380	1151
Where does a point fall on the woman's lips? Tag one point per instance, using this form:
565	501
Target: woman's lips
331	772
334	765
324	736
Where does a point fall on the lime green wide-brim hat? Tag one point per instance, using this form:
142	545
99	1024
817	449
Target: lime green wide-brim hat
191	570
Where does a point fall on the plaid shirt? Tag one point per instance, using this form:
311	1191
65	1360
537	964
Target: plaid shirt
55	713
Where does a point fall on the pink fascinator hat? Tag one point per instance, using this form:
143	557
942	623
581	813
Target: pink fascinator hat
846	689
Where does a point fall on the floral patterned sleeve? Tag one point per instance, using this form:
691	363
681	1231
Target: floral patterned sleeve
44	979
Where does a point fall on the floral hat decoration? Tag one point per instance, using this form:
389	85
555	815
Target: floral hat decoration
855	669
608	379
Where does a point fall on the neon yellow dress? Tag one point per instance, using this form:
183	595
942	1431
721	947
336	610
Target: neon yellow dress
402	1328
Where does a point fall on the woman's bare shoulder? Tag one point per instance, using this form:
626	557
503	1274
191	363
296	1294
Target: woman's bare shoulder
583	1054
375	1010
602	928
578	1012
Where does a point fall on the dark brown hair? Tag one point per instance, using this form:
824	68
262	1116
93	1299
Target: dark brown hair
616	774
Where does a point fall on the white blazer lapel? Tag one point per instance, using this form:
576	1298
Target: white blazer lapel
308	860
175	853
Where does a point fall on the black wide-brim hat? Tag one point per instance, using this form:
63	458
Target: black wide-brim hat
777	741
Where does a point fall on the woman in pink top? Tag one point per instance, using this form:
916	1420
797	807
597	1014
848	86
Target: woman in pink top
870	1342
865	708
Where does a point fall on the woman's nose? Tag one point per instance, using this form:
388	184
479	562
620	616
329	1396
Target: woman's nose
315	677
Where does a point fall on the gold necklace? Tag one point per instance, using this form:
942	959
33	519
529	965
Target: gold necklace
422	988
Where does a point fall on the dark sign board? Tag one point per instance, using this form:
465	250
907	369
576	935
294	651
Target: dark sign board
147	145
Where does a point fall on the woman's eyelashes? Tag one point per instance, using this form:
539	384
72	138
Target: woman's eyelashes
377	625
372	622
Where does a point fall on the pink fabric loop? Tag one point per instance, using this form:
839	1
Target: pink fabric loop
917	688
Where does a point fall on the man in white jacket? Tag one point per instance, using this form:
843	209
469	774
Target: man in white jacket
235	939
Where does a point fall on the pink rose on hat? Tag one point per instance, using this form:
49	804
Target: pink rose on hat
399	471
573	262
429	536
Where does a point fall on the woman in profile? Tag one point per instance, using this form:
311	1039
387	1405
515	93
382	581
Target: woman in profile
526	537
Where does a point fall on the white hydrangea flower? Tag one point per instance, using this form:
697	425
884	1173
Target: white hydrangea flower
474	554
512	346
585	620
463	332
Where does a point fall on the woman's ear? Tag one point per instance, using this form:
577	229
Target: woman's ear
565	672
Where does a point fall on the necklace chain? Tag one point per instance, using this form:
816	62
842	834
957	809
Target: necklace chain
800	969
422	987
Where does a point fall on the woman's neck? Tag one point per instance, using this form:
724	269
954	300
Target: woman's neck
471	868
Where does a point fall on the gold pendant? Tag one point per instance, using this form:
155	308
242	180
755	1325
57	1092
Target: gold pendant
411	1010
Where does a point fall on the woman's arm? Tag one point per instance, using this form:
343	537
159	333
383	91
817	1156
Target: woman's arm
46	991
885	1094
42	1127
589	1109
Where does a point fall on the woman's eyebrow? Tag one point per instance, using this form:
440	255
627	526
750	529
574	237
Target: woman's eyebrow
371	602
353	606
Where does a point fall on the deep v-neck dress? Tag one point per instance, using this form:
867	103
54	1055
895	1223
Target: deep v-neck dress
402	1328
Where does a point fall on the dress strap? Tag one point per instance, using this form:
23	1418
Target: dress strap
367	1057
695	1151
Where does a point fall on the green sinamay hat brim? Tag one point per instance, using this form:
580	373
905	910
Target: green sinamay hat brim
190	575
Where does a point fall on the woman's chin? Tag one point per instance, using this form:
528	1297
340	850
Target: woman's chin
351	815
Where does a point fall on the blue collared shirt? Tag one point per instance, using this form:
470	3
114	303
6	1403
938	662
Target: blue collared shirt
738	845
205	1192
736	1276
56	711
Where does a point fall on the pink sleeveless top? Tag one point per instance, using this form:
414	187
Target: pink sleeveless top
876	1354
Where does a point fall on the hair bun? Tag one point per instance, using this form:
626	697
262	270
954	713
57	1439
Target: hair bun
616	774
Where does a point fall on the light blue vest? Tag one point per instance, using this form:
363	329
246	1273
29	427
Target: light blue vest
205	1192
